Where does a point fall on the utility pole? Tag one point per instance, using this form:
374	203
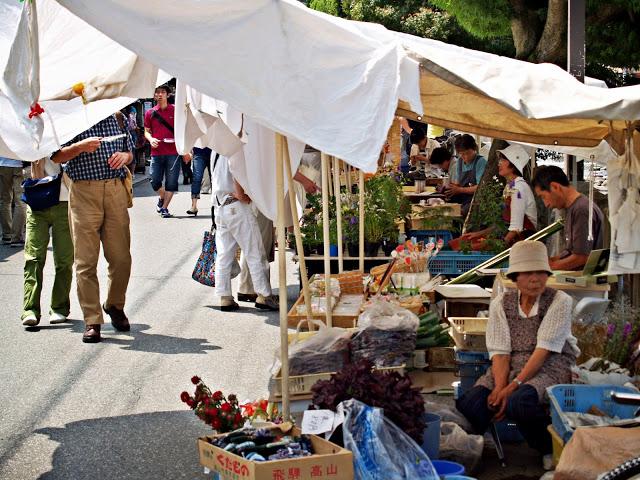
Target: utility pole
576	67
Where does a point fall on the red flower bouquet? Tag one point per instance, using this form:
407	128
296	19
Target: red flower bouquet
213	408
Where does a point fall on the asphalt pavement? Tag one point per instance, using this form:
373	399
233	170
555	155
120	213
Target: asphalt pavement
70	410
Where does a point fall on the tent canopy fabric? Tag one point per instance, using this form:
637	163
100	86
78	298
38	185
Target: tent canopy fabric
505	98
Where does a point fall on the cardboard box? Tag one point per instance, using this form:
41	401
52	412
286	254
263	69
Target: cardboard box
329	462
576	278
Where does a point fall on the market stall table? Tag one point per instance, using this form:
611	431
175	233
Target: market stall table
575	291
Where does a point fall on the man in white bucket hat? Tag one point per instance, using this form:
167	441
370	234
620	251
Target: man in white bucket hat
530	346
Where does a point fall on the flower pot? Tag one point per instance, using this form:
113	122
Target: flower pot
431	439
388	246
371	249
352	249
333	250
306	250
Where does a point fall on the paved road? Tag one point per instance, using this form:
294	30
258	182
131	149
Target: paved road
69	410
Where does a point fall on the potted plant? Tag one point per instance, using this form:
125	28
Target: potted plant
394	393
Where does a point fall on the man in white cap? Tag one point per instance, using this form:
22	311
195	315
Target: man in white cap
519	213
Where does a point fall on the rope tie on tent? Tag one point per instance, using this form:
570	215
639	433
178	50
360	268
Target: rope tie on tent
591	182
36	110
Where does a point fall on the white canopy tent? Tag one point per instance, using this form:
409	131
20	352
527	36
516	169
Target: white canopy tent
328	82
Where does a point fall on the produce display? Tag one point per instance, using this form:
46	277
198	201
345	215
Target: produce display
263	444
385	348
326	351
432	333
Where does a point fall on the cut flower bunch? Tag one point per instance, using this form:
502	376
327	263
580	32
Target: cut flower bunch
214	408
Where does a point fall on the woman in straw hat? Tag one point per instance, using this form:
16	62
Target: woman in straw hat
531	348
519	212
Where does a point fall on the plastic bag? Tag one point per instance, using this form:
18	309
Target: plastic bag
387	334
317	287
459	446
448	414
326	351
381	451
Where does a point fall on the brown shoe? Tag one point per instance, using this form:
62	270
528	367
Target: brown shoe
118	319
91	334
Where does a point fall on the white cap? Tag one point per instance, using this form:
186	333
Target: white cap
517	155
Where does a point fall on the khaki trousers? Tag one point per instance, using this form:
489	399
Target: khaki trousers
98	213
13	211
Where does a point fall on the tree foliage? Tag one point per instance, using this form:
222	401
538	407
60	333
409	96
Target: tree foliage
533	30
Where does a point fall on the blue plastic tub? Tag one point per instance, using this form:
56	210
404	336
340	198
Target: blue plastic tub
580	398
468	356
445	468
431	437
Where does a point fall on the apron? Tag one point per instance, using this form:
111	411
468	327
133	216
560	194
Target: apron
524	337
528	228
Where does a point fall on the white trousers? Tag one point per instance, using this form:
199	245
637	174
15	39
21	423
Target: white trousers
265	225
236	226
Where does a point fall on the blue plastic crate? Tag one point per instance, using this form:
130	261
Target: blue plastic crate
580	398
508	432
466	384
426	235
456	263
473	369
468	356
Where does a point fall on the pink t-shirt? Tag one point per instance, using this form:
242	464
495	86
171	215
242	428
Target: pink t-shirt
158	130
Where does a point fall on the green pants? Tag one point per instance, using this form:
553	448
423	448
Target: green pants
35	256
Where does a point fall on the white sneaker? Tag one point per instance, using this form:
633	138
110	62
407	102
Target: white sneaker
57	318
547	462
30	321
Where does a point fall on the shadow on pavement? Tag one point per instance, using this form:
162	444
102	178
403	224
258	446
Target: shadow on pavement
155	343
143	446
136	339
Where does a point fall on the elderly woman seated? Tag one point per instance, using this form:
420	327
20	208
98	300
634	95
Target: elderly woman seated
531	348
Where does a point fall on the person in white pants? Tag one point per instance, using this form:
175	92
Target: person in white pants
236	225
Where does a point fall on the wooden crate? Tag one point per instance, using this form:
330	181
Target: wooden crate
294	318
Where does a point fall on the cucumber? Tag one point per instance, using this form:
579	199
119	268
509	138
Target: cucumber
426	343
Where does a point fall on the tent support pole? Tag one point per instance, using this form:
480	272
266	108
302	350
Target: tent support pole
361	220
298	235
336	189
282	277
325	236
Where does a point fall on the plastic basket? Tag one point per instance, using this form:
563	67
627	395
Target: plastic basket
466	384
580	398
472	369
508	432
456	263
426	235
466	356
469	333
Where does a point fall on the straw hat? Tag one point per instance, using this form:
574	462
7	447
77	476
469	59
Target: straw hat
517	155
529	256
